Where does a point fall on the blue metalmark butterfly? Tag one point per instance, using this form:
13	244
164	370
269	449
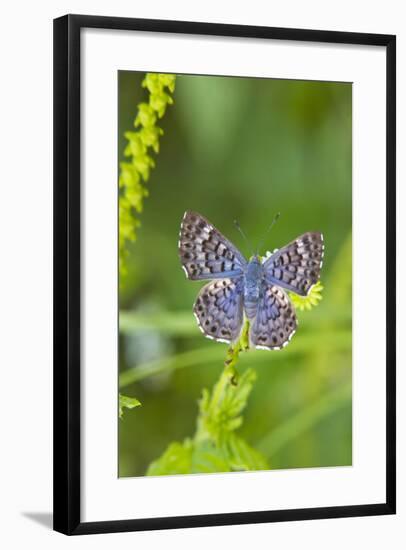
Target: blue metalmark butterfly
253	289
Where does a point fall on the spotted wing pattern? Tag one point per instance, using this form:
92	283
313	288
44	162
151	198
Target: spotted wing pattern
204	252
275	322
296	267
219	309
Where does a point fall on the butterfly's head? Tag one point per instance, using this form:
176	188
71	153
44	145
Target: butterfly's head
255	259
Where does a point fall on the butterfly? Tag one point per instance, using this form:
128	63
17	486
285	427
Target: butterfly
253	289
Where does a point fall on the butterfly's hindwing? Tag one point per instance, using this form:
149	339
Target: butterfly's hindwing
204	252
296	266
219	309
275	321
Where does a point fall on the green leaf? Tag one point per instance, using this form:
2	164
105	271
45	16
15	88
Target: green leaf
206	458
177	459
236	396
190	457
241	456
126	402
220	412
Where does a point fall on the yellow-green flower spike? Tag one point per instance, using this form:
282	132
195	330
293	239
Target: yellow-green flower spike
135	173
306	303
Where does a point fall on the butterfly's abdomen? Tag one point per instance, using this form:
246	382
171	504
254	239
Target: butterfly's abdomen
251	308
252	287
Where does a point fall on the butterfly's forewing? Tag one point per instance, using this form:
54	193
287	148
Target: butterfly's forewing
275	321
219	309
296	266
204	252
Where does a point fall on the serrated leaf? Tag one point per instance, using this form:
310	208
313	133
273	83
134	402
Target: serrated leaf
220	410
206	458
236	396
242	456
177	459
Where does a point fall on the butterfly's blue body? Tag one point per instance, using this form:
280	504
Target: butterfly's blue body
253	277
252	289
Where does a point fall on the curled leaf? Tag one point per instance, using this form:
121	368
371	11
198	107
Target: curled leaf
126	402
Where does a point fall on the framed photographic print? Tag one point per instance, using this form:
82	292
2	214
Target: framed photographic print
224	274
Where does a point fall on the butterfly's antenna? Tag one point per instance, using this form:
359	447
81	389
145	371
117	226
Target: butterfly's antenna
242	234
276	218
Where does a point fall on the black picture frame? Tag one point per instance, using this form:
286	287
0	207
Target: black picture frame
67	266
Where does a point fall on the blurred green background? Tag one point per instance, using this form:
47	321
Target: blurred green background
240	148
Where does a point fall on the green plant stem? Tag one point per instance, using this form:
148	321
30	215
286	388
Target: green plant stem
286	432
178	361
332	341
182	323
